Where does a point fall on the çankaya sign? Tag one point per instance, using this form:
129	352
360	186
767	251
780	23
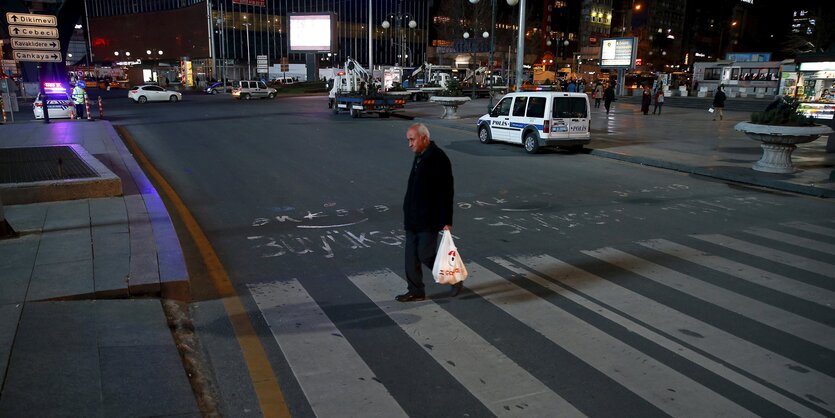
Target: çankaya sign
37	56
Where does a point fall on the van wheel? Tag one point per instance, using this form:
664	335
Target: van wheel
245	96
271	95
531	143
484	135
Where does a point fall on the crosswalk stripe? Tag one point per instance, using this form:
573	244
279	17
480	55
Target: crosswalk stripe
330	372
816	229
778	256
793	240
780	319
731	352
475	363
749	273
631	368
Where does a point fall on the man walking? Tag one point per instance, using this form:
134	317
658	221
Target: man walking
719	102
608	96
427	209
78	95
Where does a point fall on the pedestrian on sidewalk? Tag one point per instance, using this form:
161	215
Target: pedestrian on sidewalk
608	96
78	95
646	99
597	94
659	101
427	209
719	102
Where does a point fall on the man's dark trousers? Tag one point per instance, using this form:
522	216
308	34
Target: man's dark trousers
79	111
421	248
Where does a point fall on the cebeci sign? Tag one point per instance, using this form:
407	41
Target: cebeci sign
33	32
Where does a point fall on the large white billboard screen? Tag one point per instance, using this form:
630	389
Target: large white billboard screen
618	53
311	33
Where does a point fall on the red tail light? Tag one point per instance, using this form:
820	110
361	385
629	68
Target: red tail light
133	91
547	126
38	104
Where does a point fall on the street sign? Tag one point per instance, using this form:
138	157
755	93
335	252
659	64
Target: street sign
37	56
31	19
34	43
262	64
33	32
285	68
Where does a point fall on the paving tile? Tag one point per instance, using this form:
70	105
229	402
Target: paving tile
17	259
9	316
54	365
65	245
130	385
131	322
108	242
108	211
68	215
61	279
144	273
26	217
110	275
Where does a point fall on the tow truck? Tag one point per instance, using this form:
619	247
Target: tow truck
355	90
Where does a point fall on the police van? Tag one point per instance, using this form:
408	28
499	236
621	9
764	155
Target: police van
538	119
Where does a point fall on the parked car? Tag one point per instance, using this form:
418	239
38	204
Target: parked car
538	119
152	93
59	105
218	87
247	89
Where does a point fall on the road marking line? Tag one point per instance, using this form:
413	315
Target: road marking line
270	397
492	377
629	367
815	229
727	349
778	256
330	372
793	240
777	318
754	275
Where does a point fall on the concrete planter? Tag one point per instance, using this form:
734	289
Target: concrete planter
450	105
778	143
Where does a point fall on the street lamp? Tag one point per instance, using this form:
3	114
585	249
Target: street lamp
492	36
248	62
402	20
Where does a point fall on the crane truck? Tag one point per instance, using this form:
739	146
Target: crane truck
355	90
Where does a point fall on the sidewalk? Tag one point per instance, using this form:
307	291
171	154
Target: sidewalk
72	340
683	139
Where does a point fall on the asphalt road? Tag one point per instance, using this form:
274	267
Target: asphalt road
597	287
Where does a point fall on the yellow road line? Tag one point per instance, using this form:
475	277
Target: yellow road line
270	397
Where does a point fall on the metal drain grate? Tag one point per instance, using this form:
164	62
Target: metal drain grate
30	164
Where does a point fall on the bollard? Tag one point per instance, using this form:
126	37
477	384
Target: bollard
101	109
87	108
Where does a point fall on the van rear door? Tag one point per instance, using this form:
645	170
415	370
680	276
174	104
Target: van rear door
570	117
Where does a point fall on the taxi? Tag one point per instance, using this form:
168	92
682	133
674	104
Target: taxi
58	102
537	119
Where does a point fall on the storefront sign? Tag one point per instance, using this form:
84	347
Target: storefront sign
256	3
128	63
817	66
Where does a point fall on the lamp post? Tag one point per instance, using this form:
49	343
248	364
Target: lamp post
248	62
402	20
493	39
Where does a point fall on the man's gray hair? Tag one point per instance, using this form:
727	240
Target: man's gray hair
421	129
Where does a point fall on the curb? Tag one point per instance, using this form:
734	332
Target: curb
706	172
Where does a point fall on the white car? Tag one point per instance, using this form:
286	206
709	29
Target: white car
152	93
538	119
253	90
60	106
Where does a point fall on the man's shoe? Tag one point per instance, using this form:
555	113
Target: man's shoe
456	288
409	297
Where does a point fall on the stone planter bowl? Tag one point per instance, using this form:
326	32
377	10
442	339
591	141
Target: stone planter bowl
778	143
450	105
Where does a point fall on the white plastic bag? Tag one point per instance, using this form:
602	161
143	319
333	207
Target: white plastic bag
710	109
448	268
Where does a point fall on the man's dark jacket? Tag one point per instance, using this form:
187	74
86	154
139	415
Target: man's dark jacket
428	202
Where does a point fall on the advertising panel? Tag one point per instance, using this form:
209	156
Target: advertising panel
618	52
311	32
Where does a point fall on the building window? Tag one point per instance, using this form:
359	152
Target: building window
713	73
